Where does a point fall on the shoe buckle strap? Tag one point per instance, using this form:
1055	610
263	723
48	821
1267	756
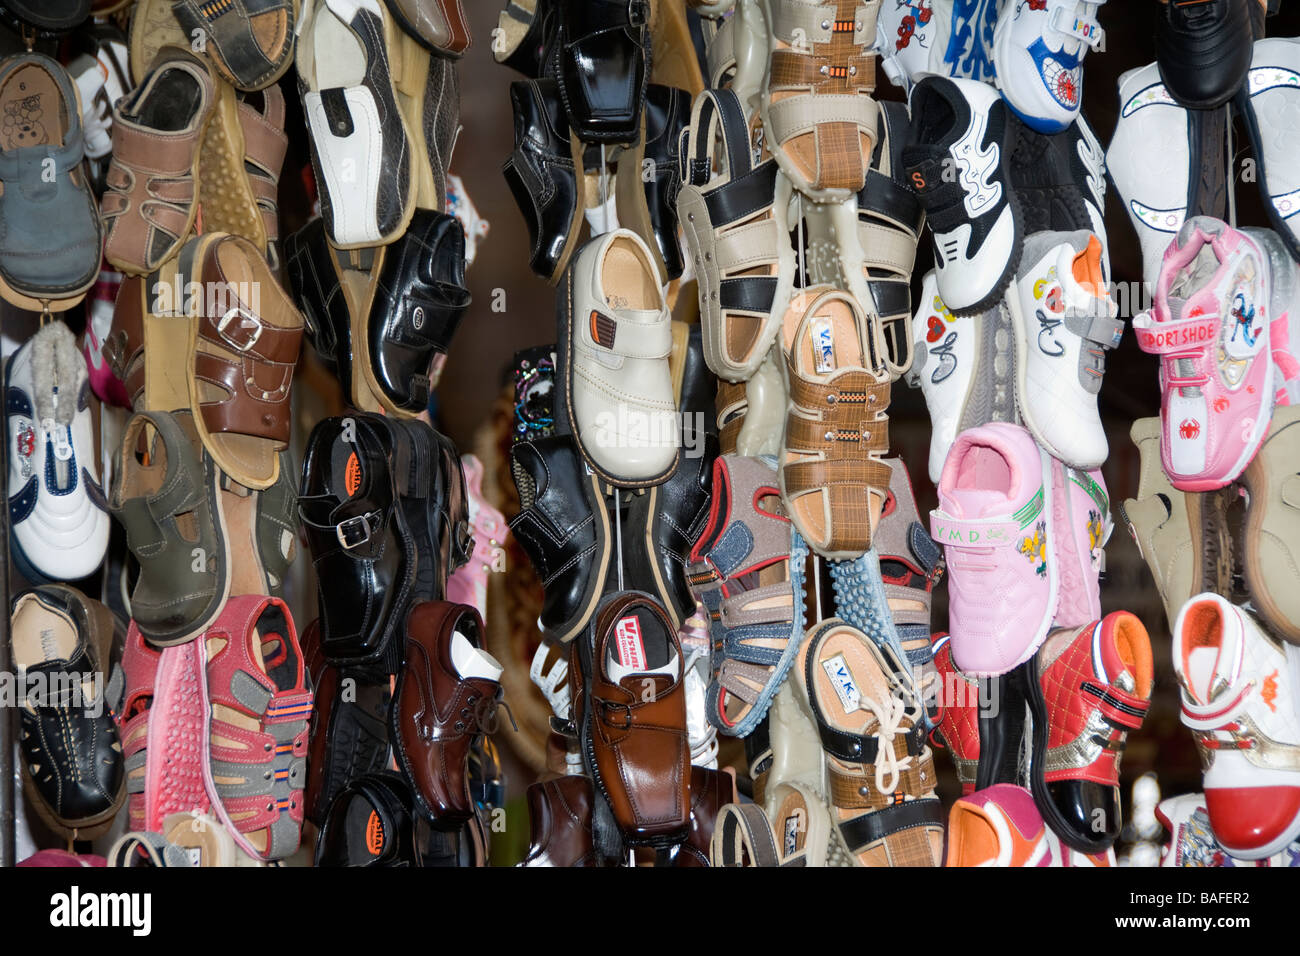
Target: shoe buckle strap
1117	706
1181	335
1066	19
638	12
355	531
246	320
952	532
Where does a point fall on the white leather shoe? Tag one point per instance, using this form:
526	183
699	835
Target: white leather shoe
614	339
57	516
360	146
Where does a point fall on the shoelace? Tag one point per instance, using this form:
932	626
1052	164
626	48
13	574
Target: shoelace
888	720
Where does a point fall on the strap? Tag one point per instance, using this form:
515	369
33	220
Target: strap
883	198
638	340
159	853
801	22
1176	335
351	532
742	196
797	115
806	435
858	791
802	477
849	390
952	532
873	827
1102	330
712	108
742	830
1118	706
720	54
26	167
748	294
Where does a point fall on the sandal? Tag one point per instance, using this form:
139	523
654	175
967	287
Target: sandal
736	234
169	503
255	740
742	836
265	145
816	100
879	770
836	428
249	42
910	566
747	569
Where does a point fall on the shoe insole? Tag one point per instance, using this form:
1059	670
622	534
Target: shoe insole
170	101
640	644
845	671
40	634
983	479
246	573
338	59
629	279
34	111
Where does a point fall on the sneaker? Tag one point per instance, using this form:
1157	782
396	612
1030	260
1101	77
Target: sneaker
1204	49
1192	841
913	39
999	826
1268	103
1238	699
962	125
1081	527
996	503
1064	320
957	720
1210	325
1038	49
58	517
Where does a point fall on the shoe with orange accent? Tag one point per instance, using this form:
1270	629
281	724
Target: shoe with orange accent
954	700
1087	688
1238	699
999	826
1064	321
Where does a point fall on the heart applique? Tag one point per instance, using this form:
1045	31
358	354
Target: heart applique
934	329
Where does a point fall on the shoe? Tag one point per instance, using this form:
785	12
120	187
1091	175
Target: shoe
58	520
563	528
157	131
263	528
359	539
998	826
1204	50
265	145
1210	324
711	791
965	367
1064	320
1239	703
314	271
879	772
1081	526
559	823
249	42
51	16
910	566
73	771
441	25
1192	841
469	584
913	38
1060	182
1087	689
360	145
600	58
1267	103
1154	185
1038	49
1271	532
226	194
957	719
44	179
431	494
419	302
542	176
446	695
374	822
645	195
631	711
527	29
105	381
996	523
974	220
259	704
612	363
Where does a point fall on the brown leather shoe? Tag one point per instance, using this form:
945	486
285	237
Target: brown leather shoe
633	719
559	823
436	713
711	790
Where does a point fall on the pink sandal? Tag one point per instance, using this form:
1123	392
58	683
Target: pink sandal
255	761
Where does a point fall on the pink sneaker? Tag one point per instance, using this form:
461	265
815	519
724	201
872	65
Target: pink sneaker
99	323
996	501
1081	525
1211	323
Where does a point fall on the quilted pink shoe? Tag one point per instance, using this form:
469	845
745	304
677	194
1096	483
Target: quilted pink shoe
996	502
1211	322
468	584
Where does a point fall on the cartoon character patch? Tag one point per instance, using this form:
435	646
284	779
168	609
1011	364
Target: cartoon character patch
1034	547
21	125
941	337
26	442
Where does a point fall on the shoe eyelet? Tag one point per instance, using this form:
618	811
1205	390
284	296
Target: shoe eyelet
267	775
270	807
708	257
831	398
472	699
460	725
690	217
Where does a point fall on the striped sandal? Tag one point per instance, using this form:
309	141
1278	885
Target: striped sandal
816	100
734	222
879	770
747	570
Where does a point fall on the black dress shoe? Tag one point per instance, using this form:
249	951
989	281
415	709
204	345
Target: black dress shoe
419	301
1203	48
74	774
527	36
647	189
313	270
565	537
541	176
374	822
361	545
601	59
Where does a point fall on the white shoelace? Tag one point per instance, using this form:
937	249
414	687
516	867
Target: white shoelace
888	718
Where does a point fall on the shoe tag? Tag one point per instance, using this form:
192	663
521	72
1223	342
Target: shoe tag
195	855
794	825
837	669
823	337
628	642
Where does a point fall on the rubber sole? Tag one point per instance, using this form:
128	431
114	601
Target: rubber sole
225	195
177	720
153	26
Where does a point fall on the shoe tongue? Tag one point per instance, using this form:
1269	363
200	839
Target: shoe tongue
639	645
1210	641
471	661
1085	269
618	671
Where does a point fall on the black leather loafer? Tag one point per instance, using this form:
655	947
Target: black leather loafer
419	301
73	769
373	822
434	501
361	545
540	174
312	267
601	60
565	537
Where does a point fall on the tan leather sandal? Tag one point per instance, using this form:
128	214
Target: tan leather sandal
833	482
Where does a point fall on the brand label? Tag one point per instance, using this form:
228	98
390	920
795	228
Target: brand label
374	834
794	825
352	474
1180	336
628	643
823	345
837	669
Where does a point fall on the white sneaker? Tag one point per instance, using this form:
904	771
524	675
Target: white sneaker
912	39
1272	113
1192	841
56	505
1152	183
1238	693
1064	321
1038	49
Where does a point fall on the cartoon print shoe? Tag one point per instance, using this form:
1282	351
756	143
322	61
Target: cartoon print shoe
1192	841
1210	325
1038	49
1238	698
996	505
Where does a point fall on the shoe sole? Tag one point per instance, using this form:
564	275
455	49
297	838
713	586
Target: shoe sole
224	192
153	26
1262	488
177	725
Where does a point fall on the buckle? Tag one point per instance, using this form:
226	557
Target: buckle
638	12
247	320
354	532
610	705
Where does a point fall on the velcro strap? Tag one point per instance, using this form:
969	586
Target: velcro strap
923	547
1104	330
950	532
881	197
801	114
1178	335
1118	706
887	247
288	707
802	435
1065	19
875	826
732	550
623	336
